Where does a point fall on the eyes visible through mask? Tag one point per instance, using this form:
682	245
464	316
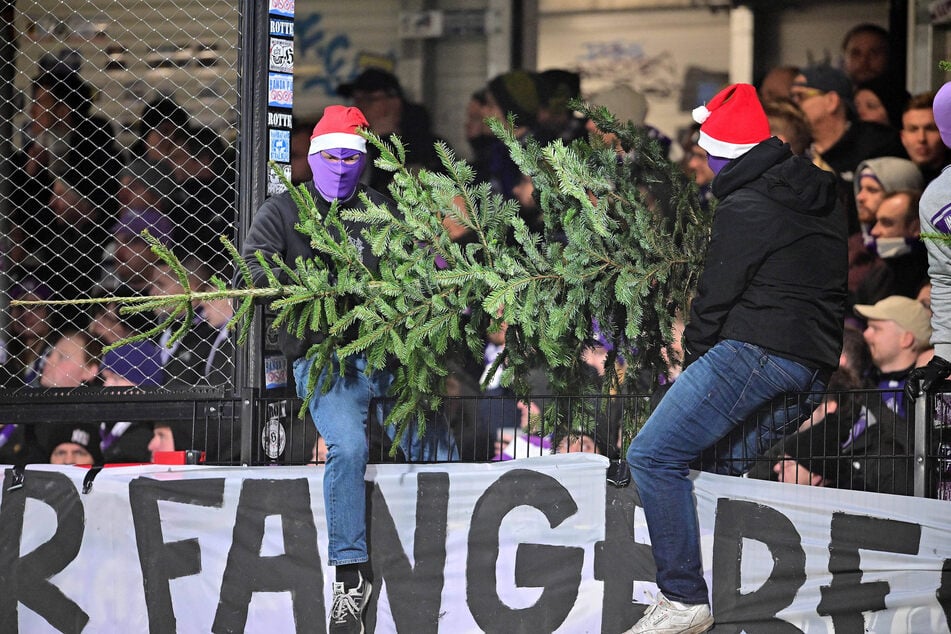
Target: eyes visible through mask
336	172
353	159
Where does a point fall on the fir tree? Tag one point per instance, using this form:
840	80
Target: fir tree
622	242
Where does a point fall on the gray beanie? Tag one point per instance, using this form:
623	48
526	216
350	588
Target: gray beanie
623	102
894	174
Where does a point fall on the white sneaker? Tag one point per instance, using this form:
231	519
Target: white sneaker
670	617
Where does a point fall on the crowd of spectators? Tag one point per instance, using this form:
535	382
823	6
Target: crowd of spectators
882	144
81	203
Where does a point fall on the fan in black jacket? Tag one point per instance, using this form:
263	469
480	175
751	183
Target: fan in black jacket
767	320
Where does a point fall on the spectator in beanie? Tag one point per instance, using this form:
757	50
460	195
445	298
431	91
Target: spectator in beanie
874	180
132	258
75	444
130	365
515	93
556	87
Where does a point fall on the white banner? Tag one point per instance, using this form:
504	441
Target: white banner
532	545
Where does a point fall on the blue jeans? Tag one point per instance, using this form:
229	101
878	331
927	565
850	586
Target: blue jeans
341	417
714	395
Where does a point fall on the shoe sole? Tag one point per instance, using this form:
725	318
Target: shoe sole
363	608
699	628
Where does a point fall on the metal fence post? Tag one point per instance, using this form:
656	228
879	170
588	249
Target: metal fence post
920	422
252	180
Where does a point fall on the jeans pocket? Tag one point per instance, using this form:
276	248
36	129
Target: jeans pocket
786	375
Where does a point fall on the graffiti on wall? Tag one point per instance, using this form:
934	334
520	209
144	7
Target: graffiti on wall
619	61
657	76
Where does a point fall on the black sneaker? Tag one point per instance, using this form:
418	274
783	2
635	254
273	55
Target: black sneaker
346	615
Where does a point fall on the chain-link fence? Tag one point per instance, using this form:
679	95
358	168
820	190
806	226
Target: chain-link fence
119	116
122	119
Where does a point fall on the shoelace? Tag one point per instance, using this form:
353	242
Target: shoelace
344	606
657	601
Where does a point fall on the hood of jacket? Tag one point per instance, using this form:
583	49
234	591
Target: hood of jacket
788	180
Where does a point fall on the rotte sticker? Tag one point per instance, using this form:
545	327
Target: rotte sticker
281	28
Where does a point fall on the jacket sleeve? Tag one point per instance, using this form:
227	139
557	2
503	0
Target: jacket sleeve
738	245
267	234
934	213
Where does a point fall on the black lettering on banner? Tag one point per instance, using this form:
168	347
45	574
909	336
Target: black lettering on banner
755	612
297	570
846	597
414	591
943	593
25	579
556	569
619	561
160	561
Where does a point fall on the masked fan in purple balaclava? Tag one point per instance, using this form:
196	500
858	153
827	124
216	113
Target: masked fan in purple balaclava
337	154
340	402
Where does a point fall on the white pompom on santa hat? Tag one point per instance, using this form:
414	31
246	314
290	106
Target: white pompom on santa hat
337	129
732	123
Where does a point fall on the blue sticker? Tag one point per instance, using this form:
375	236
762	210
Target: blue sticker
280	90
279	143
281	7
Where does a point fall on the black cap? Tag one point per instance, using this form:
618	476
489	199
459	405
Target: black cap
371	80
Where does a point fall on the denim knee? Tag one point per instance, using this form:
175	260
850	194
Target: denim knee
349	451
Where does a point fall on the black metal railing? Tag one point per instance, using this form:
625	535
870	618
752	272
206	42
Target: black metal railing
853	440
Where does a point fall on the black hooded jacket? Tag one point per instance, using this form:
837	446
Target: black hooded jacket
776	268
274	230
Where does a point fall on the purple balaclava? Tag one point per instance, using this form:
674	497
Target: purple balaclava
716	163
337	153
942	112
337	172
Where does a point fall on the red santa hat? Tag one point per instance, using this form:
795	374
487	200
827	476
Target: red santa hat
338	129
732	122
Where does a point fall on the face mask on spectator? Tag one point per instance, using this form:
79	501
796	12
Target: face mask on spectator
337	153
337	172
